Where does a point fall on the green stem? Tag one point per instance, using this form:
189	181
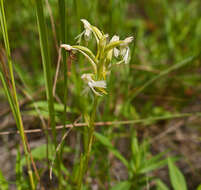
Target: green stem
90	137
91	130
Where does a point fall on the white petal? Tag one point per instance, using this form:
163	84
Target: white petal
87	34
116	52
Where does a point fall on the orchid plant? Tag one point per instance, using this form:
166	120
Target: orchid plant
109	53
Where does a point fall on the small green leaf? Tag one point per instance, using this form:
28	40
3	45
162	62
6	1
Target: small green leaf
124	185
176	177
160	185
40	152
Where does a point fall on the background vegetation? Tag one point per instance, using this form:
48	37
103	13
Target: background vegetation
157	96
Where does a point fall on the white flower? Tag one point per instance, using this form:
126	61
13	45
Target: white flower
87	31
124	50
115	50
93	84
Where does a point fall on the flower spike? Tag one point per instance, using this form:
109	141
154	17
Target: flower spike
108	52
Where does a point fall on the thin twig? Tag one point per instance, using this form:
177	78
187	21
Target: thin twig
107	123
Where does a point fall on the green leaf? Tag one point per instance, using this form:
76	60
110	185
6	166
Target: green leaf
156	162
105	141
3	182
124	185
176	177
160	185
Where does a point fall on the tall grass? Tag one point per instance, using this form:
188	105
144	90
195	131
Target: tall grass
11	93
46	64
